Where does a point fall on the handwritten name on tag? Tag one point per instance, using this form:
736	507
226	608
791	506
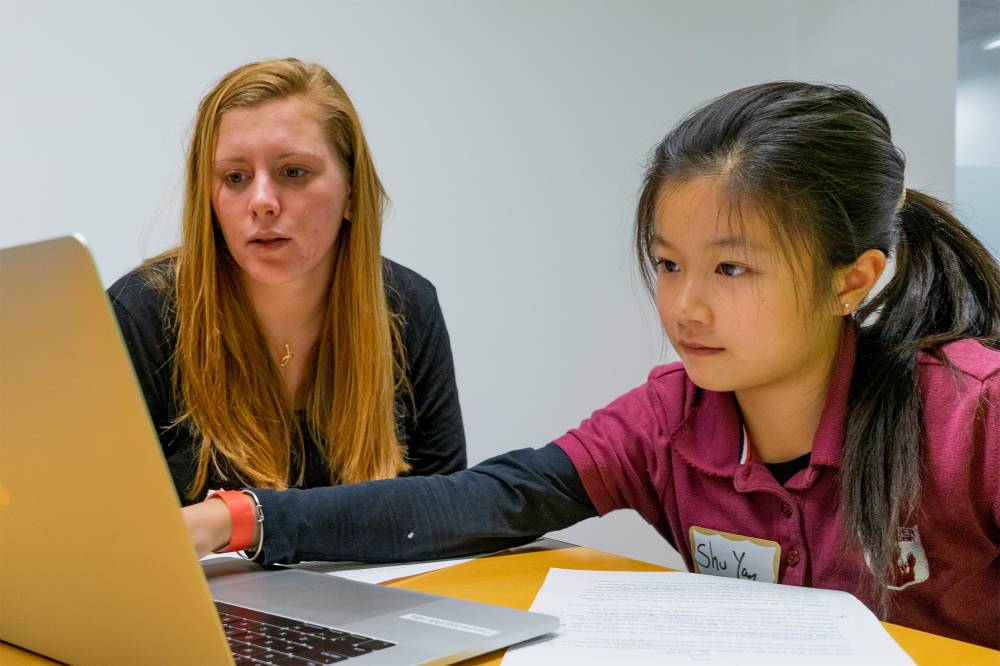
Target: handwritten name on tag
734	556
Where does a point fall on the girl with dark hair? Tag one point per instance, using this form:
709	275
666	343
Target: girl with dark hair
814	433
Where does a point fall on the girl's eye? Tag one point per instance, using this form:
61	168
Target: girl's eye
667	266
294	172
234	177
731	270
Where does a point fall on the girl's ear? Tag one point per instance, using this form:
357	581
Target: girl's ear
852	283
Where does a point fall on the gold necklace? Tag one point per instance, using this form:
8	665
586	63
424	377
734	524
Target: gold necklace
286	358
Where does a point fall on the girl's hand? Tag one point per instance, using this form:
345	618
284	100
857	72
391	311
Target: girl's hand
209	525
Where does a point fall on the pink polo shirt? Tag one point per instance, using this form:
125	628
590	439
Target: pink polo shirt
671	451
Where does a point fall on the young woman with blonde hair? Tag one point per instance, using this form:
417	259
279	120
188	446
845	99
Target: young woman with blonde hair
275	346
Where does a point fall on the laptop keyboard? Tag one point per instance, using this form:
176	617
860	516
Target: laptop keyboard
262	638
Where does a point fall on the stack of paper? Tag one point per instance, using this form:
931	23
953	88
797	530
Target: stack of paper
625	617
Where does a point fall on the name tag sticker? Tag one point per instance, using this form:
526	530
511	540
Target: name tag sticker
734	556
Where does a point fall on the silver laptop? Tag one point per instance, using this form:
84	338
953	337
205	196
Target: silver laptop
95	563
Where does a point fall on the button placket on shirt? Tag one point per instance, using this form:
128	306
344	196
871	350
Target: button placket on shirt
796	557
787	527
791	529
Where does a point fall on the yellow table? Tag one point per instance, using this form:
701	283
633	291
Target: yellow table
512	578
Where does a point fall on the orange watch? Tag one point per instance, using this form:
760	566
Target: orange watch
243	518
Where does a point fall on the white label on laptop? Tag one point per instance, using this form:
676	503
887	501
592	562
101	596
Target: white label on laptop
449	624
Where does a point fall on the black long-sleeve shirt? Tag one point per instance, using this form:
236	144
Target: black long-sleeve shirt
433	433
503	502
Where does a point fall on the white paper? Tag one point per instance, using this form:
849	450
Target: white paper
376	573
626	617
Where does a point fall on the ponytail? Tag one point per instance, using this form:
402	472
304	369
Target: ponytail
946	288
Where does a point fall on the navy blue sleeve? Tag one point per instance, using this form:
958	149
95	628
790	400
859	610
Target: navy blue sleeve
503	502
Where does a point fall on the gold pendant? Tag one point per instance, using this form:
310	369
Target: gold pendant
286	358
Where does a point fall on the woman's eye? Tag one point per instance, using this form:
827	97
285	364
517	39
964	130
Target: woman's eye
731	270
234	177
667	266
294	172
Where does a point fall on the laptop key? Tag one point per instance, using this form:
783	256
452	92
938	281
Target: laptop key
331	634
245	624
318	657
347	639
244	649
344	650
292	636
307	628
374	644
258	652
285	646
286	660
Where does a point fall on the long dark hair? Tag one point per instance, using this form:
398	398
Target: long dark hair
818	161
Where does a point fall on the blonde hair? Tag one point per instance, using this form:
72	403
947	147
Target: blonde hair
227	385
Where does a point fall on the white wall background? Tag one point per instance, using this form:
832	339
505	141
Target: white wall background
511	138
977	149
